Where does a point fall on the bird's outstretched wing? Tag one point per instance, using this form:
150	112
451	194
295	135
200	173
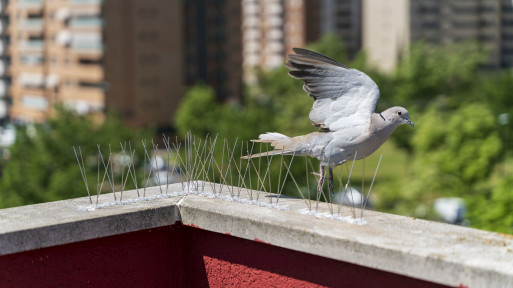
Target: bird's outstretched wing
345	98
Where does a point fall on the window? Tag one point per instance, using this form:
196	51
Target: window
85	61
95	85
34	102
31	59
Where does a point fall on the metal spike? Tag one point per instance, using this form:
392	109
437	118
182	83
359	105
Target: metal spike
83	172
372	183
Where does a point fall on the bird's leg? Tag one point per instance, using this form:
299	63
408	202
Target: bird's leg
321	182
331	185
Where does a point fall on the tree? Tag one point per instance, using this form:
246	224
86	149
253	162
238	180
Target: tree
453	152
493	211
430	72
427	72
201	114
42	166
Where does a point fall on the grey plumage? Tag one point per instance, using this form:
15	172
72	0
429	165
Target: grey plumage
345	100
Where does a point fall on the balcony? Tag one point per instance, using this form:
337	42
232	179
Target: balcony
31	25
30	6
93	47
32	46
86	23
32	59
83	107
82	2
35	102
177	239
30	3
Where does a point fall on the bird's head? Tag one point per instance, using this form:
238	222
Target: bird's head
397	115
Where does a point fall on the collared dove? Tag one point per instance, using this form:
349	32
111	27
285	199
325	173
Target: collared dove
343	110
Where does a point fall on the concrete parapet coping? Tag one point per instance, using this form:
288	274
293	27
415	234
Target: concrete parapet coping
436	252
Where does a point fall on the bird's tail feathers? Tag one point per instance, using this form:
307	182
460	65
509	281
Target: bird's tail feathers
269	137
273	138
268	153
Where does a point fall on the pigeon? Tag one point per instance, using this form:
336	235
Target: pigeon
344	108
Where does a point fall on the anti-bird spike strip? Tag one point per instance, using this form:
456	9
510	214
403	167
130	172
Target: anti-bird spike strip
198	162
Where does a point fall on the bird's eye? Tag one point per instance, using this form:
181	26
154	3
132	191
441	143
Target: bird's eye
399	113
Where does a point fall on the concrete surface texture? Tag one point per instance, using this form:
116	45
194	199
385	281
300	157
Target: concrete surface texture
435	252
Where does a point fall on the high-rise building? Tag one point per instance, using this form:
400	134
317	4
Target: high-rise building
213	46
56	54
269	31
90	55
4	65
342	18
457	20
385	31
143	59
389	27
133	56
271	28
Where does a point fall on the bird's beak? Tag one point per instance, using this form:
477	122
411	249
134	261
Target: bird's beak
411	123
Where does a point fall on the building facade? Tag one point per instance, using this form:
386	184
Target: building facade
344	19
213	46
143	59
4	65
271	28
55	52
389	27
133	56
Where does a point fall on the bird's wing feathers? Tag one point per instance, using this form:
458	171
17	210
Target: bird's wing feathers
345	98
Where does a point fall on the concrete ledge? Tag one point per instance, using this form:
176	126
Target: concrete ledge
431	251
57	223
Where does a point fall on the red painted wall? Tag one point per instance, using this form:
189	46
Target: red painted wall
149	258
182	256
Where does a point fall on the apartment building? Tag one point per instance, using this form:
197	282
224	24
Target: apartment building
267	36
4	64
132	56
459	20
56	54
342	18
271	28
389	27
143	59
212	41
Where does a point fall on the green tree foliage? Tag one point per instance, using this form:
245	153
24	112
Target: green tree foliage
42	166
427	72
493	211
201	114
454	150
495	89
454	153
